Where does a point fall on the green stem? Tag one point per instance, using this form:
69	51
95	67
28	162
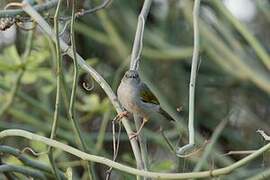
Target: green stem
22	170
58	88
181	151
71	110
17	12
128	169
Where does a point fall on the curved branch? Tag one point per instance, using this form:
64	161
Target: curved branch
23	170
128	169
103	5
25	160
181	151
39	8
71	111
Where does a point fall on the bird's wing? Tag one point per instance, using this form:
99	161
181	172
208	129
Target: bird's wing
147	96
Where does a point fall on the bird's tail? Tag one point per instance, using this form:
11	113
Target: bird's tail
166	115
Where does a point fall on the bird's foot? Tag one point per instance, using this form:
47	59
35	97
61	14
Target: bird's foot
135	134
120	115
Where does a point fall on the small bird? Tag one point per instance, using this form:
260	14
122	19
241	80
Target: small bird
137	98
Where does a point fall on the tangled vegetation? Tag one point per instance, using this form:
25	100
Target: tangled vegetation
62	61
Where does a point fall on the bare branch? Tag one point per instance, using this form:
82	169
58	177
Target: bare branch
39	8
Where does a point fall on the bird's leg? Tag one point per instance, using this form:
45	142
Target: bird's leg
120	115
134	135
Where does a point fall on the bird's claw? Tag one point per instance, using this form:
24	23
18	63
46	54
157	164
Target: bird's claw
120	115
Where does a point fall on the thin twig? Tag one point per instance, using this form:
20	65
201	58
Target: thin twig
40	8
194	69
103	5
58	88
263	134
83	12
239	152
87	87
71	110
109	171
142	142
128	169
33	152
116	143
167	141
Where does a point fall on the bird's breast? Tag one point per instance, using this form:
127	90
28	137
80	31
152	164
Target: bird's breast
127	96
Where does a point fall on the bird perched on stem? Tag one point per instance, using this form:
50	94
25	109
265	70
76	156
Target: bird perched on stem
137	98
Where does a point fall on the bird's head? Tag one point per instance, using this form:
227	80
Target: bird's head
131	76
